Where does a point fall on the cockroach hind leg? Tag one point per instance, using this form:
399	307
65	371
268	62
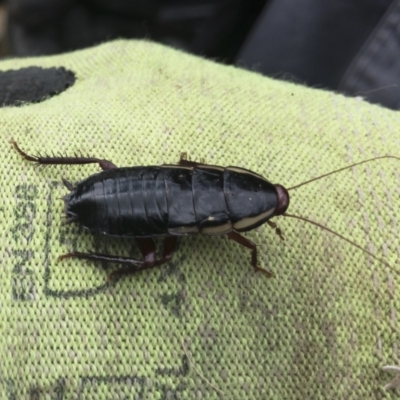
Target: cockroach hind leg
102	257
68	184
26	156
75	254
65	256
148	250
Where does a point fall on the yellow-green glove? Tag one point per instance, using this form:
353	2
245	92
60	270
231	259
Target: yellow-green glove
205	323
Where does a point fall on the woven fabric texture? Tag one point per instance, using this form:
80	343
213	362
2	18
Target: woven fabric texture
206	322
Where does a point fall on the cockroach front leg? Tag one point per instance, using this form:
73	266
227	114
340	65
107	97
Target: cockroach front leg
235	236
277	230
61	160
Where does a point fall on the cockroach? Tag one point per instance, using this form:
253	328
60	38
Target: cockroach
188	198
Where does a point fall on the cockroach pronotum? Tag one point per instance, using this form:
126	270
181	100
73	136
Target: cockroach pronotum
174	200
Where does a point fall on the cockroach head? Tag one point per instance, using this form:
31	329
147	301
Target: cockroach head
283	200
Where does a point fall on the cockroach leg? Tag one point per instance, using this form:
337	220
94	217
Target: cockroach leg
235	236
135	265
100	257
27	157
277	230
170	244
147	248
68	184
61	160
185	162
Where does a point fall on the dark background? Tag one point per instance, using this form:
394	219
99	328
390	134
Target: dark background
351	46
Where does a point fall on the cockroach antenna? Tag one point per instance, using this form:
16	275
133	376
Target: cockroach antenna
330	230
342	169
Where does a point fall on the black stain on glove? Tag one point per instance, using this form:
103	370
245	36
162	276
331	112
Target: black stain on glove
33	84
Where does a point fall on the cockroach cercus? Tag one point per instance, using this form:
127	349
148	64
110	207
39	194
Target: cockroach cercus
174	200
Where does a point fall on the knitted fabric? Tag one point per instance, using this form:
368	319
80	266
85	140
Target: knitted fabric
322	328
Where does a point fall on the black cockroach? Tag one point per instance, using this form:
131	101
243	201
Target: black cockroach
174	200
